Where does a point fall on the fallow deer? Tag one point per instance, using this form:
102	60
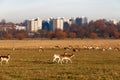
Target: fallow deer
4	58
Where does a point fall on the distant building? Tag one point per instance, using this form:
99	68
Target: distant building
20	27
24	23
7	26
56	24
45	25
84	20
30	26
65	19
72	21
51	21
78	21
39	23
114	21
34	25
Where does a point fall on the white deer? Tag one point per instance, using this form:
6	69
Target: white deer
56	58
60	58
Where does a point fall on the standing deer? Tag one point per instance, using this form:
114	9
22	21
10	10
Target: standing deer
4	58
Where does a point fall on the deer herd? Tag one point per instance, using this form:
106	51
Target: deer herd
60	58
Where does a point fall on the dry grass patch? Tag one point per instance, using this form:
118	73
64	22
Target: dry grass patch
62	43
87	65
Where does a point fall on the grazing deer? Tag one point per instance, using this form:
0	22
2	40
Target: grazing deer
56	47
76	49
61	57
56	58
4	58
41	49
67	58
13	49
66	48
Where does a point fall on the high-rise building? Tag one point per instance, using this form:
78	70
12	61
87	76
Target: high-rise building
84	20
78	21
30	26
45	25
56	24
72	21
39	23
34	25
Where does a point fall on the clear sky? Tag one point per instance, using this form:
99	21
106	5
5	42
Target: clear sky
19	10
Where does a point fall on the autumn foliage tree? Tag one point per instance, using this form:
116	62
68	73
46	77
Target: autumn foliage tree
20	36
93	35
60	34
100	28
106	36
116	34
72	35
8	36
51	35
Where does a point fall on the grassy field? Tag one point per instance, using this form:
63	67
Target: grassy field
35	65
30	64
62	43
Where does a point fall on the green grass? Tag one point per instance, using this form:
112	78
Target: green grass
35	65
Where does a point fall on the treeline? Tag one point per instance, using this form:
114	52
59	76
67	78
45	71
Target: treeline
94	29
13	34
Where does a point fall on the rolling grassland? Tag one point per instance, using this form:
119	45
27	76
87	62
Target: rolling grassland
35	65
62	43
30	64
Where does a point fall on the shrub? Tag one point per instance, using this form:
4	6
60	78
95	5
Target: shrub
93	35
72	35
61	35
8	35
20	36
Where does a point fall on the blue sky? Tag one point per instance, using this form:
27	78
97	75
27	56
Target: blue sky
19	10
